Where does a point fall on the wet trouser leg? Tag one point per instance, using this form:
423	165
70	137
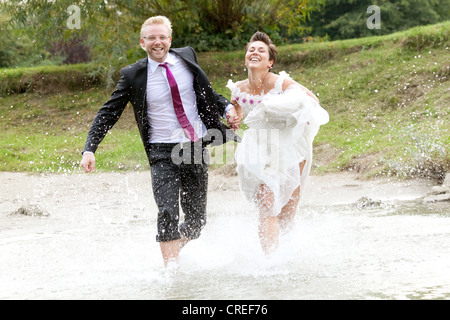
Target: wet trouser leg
174	183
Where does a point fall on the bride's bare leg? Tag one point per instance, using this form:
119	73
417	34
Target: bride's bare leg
268	224
287	214
268	234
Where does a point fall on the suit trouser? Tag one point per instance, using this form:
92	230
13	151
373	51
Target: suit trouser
179	176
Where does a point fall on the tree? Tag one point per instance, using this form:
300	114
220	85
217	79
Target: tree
18	48
342	19
110	28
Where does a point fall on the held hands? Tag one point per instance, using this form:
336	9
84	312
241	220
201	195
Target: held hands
233	119
233	122
88	162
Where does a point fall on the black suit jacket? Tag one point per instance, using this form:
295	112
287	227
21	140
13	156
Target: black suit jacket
132	88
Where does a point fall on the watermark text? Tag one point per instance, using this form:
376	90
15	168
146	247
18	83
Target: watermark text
374	21
74	20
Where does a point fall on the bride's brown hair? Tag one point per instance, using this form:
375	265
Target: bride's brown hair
263	37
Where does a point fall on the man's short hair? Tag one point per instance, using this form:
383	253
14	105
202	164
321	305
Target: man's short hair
158	20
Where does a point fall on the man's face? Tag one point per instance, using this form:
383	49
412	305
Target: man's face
156	41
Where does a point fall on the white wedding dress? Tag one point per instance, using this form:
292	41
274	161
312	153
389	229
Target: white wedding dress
281	129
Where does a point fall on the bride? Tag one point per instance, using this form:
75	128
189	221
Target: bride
274	157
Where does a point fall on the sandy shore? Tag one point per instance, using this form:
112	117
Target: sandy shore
56	193
79	197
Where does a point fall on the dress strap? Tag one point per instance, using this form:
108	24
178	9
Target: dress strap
234	89
279	83
232	86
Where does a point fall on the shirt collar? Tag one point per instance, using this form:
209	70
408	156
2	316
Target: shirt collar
170	59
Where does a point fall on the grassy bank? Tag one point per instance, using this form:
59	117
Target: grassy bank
388	99
48	79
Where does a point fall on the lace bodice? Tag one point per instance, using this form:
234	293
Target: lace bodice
249	101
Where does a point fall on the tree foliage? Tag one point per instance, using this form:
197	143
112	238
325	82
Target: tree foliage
110	28
343	19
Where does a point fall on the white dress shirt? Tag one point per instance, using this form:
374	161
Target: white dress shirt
164	125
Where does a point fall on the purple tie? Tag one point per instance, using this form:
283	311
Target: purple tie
178	106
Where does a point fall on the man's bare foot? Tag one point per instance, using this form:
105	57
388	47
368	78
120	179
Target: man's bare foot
171	249
183	241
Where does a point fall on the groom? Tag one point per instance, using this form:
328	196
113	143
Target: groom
178	114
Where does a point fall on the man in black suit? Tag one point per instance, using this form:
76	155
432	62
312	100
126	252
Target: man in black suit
175	141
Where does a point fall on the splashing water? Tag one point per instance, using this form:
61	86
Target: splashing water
99	242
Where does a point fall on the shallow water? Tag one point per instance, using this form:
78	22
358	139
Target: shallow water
398	250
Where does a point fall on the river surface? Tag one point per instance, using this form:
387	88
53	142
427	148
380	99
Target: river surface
98	242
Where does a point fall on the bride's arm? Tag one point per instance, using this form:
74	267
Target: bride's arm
238	109
235	116
289	82
236	105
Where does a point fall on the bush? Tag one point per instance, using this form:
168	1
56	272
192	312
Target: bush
48	79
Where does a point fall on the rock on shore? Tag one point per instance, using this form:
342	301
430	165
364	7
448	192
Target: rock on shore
440	193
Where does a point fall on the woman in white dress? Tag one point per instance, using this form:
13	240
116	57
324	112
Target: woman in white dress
274	157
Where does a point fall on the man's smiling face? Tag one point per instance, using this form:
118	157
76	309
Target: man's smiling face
156	41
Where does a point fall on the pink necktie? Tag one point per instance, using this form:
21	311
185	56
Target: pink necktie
178	106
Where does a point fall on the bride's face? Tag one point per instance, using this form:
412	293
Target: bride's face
257	56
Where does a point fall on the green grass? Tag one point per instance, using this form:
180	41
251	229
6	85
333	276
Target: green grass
46	133
387	97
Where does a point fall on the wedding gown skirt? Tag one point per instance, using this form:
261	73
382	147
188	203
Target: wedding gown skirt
281	129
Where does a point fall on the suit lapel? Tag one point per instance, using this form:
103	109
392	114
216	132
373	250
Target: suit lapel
141	80
188	60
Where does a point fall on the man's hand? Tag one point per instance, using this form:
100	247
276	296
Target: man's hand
88	162
233	119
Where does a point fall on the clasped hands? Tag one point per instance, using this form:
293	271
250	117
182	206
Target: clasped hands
234	117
